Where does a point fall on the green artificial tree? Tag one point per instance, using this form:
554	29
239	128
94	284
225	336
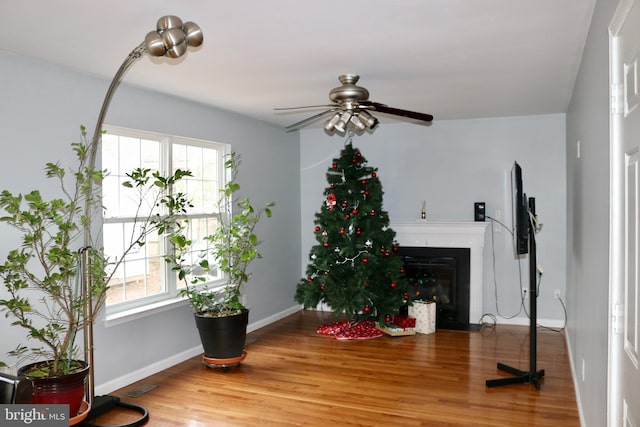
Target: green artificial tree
354	267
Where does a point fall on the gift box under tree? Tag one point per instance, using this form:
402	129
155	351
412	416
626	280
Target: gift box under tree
425	314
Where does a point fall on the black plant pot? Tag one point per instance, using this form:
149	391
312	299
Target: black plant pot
223	337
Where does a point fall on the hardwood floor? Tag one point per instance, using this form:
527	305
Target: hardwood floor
293	376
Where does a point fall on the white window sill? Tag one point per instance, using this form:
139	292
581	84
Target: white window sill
144	311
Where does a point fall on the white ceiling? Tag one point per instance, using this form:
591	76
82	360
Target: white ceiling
450	58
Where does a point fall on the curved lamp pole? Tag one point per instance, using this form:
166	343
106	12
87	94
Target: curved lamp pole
171	38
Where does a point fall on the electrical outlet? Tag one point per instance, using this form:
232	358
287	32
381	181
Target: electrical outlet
497	215
557	294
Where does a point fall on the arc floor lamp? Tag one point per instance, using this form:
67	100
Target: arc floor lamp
171	39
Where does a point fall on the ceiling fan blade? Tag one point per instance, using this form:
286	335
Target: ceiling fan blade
306	106
398	112
308	120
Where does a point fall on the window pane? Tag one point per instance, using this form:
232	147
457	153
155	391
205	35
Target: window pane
140	272
128	154
202	187
194	161
210	162
149	155
179	155
198	229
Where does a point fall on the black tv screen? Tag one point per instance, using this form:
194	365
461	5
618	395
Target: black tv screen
520	212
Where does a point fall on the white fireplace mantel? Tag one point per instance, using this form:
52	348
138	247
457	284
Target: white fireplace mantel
450	234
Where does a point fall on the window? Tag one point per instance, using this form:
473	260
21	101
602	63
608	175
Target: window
143	277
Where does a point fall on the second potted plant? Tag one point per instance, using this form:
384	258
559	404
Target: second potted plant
220	316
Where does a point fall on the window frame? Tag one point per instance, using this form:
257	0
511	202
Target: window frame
121	311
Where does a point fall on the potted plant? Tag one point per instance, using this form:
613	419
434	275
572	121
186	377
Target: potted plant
42	276
220	316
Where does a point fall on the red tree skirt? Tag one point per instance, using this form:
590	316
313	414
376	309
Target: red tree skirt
343	330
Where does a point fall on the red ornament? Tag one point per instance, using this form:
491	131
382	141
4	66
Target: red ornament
373	213
326	244
309	279
387	318
358	154
358	231
366	192
342	231
354	160
365	260
367	309
322	288
347	216
363	182
405	296
366	284
395	248
373	174
393	285
331	201
354	211
344	204
334	165
402	270
317	228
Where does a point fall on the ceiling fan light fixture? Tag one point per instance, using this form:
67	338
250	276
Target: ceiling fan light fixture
357	123
330	124
341	125
369	121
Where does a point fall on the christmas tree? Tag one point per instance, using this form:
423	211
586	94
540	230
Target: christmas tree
354	267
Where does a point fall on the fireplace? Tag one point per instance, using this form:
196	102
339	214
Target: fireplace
440	275
434	237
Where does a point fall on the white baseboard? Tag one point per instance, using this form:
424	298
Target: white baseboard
574	374
154	368
125	380
524	321
273	318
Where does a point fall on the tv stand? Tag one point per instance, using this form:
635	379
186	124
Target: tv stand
533	375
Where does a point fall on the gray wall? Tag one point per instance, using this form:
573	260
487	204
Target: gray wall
41	109
451	165
588	219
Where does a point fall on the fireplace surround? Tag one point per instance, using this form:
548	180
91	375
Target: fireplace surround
451	234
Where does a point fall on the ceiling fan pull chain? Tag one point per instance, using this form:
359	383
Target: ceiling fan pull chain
349	139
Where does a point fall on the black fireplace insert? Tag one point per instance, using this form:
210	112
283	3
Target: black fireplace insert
441	275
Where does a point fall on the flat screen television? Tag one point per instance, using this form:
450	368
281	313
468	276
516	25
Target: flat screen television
520	212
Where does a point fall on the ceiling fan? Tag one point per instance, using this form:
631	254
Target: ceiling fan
351	109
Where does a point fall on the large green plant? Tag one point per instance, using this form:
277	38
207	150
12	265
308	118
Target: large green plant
232	246
54	236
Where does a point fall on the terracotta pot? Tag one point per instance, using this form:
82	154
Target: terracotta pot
59	389
223	337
